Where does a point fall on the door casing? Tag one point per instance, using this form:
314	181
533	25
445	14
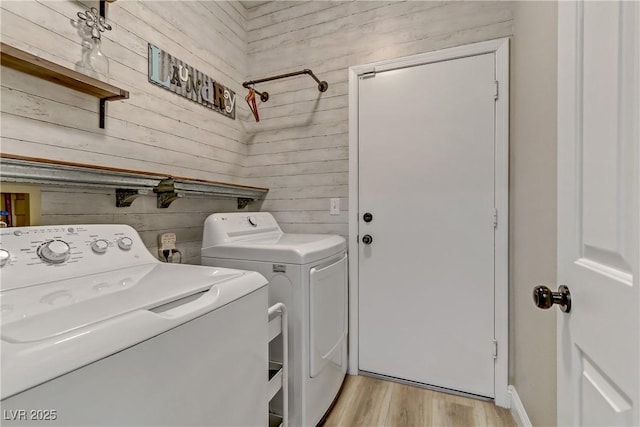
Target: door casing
500	48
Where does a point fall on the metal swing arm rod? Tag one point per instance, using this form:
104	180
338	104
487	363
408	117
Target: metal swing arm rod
264	96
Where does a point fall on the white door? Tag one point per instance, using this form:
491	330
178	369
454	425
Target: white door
426	176
598	213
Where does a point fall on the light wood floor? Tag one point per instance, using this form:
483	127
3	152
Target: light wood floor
366	401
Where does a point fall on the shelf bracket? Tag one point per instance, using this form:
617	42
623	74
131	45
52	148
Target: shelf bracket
103	111
243	202
103	7
126	196
166	193
165	199
103	107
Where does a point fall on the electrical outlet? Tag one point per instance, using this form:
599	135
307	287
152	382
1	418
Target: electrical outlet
334	207
166	242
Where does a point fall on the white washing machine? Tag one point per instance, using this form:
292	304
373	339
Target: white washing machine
308	273
96	331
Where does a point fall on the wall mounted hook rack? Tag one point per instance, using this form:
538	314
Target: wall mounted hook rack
264	96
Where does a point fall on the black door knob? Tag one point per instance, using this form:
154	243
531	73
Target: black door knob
367	217
367	239
544	298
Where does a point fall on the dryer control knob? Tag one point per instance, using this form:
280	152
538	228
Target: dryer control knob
125	243
54	251
5	256
99	246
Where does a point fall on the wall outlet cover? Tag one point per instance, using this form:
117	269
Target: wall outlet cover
166	241
334	206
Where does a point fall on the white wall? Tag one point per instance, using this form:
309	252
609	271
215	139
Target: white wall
299	148
533	206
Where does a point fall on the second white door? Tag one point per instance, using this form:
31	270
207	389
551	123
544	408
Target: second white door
599	213
426	252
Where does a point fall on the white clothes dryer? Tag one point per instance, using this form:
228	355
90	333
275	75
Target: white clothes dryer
308	273
96	331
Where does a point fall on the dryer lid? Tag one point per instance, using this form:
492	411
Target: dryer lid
289	248
256	236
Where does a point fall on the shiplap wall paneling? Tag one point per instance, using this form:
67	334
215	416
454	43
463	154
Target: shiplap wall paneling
299	147
185	216
154	130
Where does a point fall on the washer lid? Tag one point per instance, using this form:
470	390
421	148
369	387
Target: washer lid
53	309
288	248
159	298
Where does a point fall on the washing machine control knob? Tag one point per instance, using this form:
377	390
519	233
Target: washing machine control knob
125	243
99	246
54	251
5	256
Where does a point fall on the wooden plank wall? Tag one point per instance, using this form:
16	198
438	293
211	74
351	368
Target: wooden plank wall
300	146
154	130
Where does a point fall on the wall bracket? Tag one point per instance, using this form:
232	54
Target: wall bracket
166	193
243	202
126	196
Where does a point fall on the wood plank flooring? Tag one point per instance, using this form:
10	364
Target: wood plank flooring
366	401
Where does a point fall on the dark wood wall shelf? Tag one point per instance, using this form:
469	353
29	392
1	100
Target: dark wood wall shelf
28	63
129	184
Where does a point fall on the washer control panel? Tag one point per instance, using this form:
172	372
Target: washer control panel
32	255
54	251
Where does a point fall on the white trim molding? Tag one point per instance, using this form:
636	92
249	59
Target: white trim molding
517	409
500	48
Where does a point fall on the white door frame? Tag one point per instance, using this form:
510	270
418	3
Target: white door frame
501	49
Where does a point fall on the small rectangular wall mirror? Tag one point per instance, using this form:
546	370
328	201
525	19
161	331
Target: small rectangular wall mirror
19	205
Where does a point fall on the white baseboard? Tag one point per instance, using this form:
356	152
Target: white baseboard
517	409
